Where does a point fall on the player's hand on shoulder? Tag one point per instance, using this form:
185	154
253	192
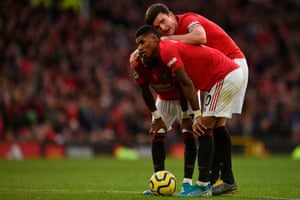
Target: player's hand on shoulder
134	59
164	38
158	127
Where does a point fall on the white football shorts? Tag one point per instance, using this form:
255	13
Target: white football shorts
221	101
240	97
170	110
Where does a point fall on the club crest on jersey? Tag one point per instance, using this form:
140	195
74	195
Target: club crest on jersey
172	61
135	75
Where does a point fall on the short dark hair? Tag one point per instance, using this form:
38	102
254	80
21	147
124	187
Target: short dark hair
145	30
153	11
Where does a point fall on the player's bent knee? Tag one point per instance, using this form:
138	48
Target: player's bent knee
187	136
208	132
158	139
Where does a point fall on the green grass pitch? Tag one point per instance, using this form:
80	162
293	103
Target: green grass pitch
275	177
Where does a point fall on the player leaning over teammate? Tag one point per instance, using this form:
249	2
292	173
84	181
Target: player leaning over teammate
197	67
195	29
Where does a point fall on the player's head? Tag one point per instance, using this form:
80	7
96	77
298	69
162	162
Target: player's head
147	39
161	18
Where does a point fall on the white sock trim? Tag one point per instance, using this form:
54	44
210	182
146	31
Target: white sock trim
200	183
187	180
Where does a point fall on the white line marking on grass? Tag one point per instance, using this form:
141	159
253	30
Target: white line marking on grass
124	192
134	192
265	197
70	190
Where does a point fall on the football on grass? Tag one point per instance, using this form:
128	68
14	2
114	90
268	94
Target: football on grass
162	183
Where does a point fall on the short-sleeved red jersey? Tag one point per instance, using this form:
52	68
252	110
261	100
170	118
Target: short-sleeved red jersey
160	79
204	65
216	37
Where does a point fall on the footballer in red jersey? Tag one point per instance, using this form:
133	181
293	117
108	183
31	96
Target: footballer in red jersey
196	29
203	68
165	110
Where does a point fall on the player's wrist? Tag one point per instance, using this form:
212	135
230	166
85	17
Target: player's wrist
197	113
184	114
156	114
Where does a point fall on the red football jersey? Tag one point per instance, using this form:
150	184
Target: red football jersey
160	78
216	37
204	65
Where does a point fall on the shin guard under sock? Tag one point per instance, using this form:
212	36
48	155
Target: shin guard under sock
215	167
190	153
223	154
205	156
158	153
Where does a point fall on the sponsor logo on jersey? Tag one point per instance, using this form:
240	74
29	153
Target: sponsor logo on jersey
162	87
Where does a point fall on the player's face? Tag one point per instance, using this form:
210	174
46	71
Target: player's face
147	46
165	24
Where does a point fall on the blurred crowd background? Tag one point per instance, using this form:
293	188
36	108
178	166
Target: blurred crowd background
65	76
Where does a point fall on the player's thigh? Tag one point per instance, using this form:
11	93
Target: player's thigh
214	122
209	121
220	121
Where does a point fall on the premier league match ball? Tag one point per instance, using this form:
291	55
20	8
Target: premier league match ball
162	183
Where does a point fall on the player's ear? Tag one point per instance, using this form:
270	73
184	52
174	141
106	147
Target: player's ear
171	14
155	37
